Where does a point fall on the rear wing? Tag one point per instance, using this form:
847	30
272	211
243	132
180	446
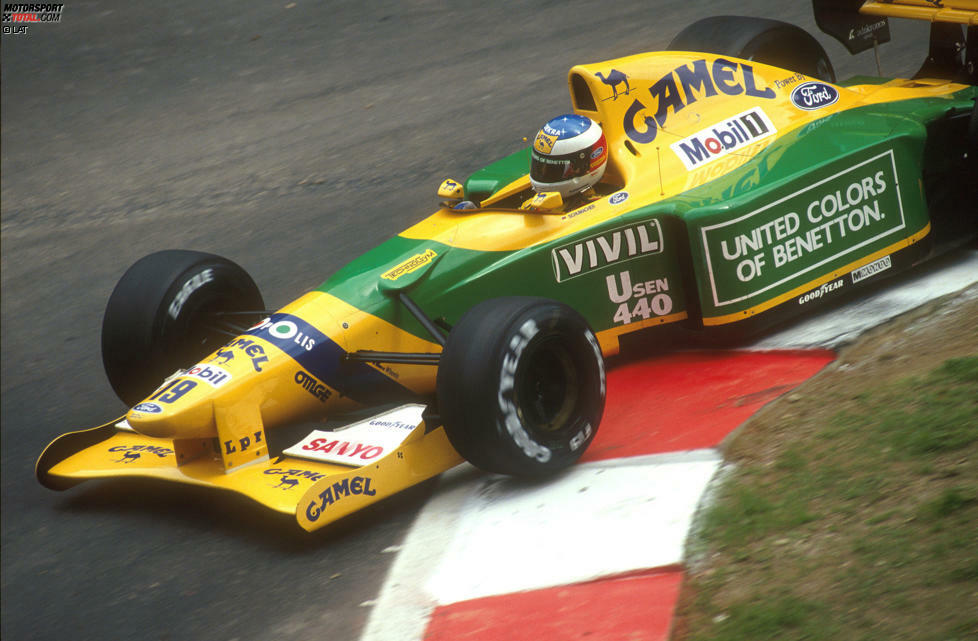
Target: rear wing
842	20
953	11
864	24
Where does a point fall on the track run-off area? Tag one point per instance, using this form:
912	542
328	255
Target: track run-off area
600	552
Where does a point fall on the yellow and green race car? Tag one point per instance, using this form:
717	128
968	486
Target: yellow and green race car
741	185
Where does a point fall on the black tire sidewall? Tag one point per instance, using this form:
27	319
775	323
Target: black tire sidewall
151	325
481	369
792	48
763	40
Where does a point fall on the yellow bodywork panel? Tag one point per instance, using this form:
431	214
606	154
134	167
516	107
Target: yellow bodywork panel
222	397
316	493
544	201
355	329
651	172
515	187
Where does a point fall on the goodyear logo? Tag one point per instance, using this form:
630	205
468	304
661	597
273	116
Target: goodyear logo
544	143
411	264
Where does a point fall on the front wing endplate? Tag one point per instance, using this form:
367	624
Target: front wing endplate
317	493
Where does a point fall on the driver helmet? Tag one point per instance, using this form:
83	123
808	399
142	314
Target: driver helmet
569	155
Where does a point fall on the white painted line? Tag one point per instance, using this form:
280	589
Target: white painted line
403	607
598	519
840	326
483	535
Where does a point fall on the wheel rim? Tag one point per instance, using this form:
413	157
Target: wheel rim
546	388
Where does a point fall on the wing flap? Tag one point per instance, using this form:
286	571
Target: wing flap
317	492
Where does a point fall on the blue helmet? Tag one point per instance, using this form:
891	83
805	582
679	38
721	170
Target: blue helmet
569	155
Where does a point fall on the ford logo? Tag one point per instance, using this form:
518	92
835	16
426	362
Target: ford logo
148	408
620	197
814	95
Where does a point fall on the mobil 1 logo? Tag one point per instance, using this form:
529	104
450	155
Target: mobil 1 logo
724	138
211	374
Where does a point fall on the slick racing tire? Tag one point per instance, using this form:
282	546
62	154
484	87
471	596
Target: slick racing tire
521	386
762	40
161	316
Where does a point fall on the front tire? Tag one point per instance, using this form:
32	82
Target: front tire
160	316
521	386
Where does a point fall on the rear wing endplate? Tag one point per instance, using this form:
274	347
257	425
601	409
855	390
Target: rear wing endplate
842	20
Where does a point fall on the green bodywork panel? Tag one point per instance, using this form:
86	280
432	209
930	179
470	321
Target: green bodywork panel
799	211
490	179
816	200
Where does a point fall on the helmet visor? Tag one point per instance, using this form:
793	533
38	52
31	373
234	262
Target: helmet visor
554	169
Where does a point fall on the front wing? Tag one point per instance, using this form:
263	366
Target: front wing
316	492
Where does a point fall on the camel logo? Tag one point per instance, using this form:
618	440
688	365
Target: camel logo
252	350
613	79
128	457
291	477
544	143
698	81
356	486
132	453
287	483
224	354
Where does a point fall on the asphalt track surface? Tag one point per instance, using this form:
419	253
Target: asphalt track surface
289	137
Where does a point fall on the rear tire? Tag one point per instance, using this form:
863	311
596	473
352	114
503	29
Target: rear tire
762	40
159	317
521	386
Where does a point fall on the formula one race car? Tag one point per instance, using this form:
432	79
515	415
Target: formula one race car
742	185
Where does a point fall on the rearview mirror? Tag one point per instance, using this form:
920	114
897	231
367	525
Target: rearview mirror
451	189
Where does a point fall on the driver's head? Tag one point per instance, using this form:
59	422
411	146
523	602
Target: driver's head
569	155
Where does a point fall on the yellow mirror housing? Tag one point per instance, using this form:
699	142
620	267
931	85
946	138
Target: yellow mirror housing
544	201
451	189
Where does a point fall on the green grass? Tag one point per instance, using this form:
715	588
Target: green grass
770	620
864	526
